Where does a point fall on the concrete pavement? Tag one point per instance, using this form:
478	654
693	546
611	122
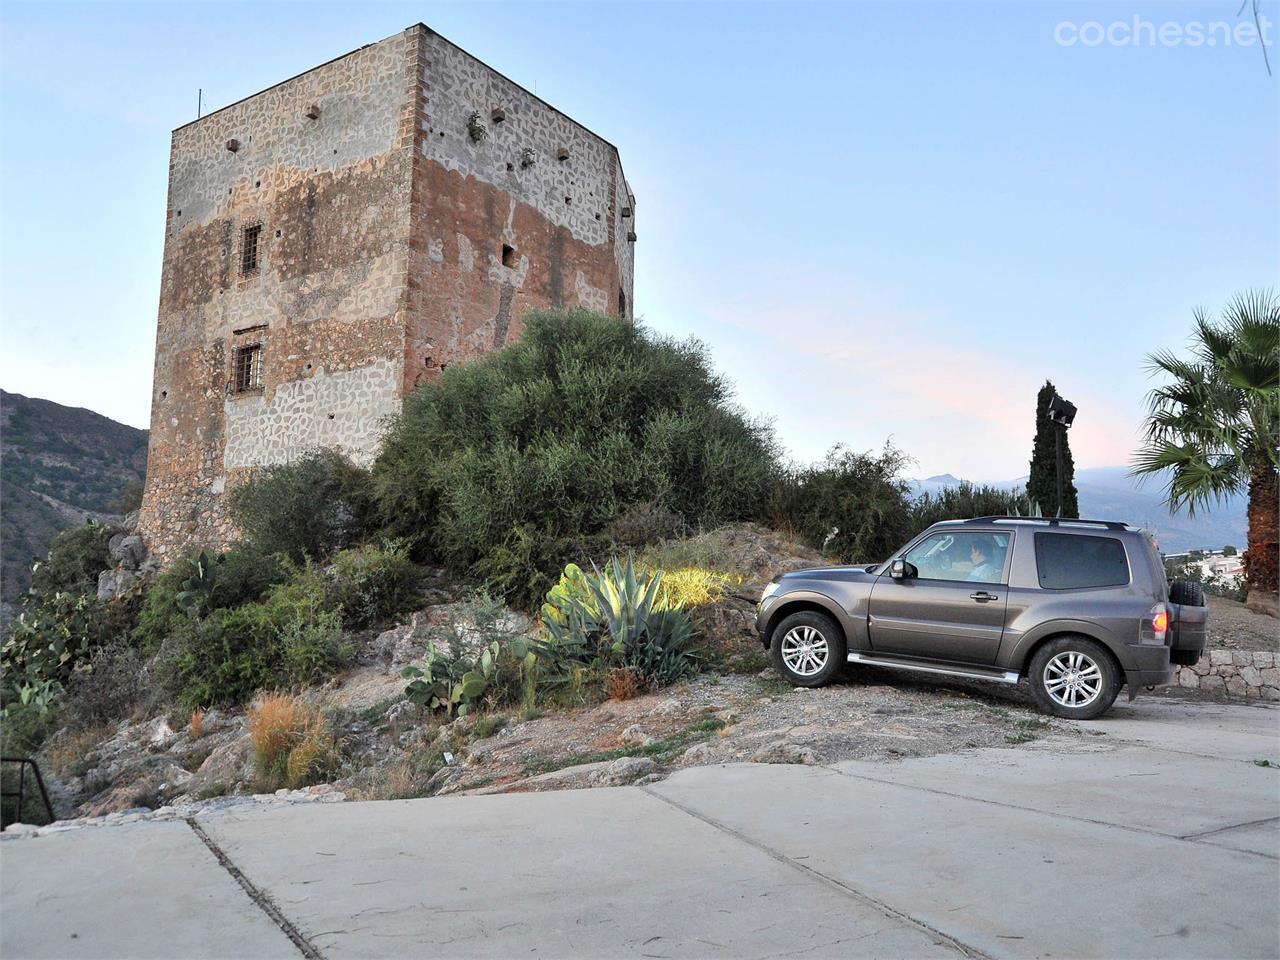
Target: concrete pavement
1151	833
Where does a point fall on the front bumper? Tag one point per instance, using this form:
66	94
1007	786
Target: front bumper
764	612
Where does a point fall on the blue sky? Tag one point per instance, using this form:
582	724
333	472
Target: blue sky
885	219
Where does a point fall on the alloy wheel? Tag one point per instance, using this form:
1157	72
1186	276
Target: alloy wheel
804	650
1073	679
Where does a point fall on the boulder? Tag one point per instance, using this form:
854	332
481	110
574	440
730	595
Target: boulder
227	765
127	550
113	583
403	717
634	736
783	751
622	771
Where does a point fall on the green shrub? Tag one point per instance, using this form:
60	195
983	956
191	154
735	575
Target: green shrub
506	467
374	583
852	505
243	575
48	640
108	687
160	612
642	524
292	637
201	583
76	557
965	501
311	507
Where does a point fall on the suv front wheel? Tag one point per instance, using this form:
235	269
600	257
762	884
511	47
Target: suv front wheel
808	649
1074	677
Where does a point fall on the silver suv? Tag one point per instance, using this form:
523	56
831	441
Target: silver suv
1077	608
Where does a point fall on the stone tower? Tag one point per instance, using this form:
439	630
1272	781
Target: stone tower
338	238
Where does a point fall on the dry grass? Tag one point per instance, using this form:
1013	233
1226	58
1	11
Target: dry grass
197	723
625	683
292	740
73	746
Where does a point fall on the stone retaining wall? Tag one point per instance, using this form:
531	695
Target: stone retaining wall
1253	674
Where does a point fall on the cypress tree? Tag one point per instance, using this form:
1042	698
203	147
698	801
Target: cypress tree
1042	484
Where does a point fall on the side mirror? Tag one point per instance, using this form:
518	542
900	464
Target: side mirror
901	570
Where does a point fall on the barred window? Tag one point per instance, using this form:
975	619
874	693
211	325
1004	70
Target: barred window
249	249
248	368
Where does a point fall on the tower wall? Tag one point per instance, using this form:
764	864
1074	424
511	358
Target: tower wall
410	204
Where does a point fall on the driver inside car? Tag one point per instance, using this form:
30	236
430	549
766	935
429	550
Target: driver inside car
982	555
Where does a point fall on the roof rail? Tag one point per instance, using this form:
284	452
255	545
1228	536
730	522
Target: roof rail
1055	521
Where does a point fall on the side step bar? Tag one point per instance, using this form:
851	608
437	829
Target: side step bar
1004	676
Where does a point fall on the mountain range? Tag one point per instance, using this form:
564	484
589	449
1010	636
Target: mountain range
61	467
1109	493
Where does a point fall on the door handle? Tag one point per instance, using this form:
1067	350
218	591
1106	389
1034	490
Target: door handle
982	596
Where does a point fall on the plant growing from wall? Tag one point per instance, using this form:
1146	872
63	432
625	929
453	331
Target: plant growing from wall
476	128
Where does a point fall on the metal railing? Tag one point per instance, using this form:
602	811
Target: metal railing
20	794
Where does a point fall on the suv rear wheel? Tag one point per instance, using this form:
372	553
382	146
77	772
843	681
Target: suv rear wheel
1074	677
808	649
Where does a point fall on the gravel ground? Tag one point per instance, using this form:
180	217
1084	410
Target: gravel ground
1234	626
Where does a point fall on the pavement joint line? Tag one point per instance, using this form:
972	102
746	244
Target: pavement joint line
1190	838
1234	826
829	881
260	898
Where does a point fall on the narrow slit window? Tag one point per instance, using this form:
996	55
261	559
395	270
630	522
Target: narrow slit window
248	368
249	249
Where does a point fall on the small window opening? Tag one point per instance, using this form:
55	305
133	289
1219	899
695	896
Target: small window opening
622	302
249	248
248	368
497	115
508	255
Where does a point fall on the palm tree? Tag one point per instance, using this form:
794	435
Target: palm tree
1214	428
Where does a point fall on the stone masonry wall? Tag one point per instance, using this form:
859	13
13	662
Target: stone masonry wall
412	205
516	208
1252	674
322	163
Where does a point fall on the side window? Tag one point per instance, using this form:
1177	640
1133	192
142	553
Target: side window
972	557
1065	561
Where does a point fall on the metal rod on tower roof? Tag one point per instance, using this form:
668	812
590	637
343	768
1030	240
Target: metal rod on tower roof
199	101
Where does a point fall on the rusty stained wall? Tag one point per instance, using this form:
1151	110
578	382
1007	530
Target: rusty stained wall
497	171
326	301
406	227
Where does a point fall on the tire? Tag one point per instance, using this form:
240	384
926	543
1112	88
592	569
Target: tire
1078	669
1188	593
798	645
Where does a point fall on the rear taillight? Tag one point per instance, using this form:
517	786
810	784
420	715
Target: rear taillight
1155	625
1160	621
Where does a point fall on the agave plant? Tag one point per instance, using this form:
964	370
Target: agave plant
619	616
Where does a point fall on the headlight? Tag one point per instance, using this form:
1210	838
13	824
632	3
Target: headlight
769	591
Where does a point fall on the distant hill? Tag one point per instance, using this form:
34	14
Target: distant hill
61	466
1108	493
